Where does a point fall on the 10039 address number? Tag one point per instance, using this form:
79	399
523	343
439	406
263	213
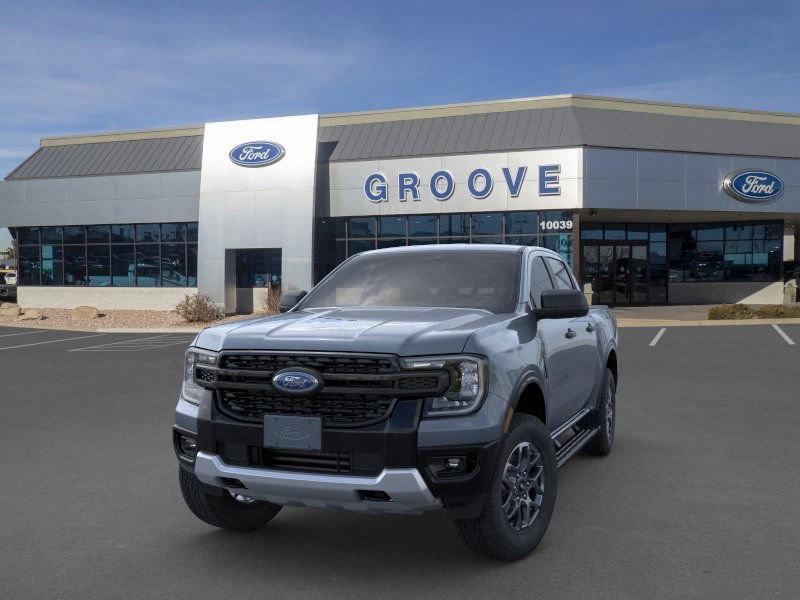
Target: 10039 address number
556	225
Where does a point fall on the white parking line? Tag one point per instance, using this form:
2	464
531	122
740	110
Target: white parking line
83	337
138	344
658	336
782	333
24	333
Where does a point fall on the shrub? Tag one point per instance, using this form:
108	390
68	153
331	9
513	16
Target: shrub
731	311
780	311
198	308
269	299
747	311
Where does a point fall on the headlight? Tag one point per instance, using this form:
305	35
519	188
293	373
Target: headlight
191	391
468	375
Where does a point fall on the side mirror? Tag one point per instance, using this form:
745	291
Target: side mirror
289	300
562	304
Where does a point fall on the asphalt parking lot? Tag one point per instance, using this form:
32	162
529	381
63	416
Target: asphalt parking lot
699	498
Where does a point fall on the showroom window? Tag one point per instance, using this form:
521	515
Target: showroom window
131	255
551	229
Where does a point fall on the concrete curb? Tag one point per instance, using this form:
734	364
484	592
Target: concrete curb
43	326
722	323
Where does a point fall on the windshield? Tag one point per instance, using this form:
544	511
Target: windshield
464	279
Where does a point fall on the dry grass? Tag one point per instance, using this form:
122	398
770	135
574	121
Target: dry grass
751	311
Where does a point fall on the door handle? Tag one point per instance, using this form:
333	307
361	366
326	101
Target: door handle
570	334
590	327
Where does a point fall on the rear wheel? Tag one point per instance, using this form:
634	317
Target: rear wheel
237	513
601	443
522	497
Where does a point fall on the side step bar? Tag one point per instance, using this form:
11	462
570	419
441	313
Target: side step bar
565	452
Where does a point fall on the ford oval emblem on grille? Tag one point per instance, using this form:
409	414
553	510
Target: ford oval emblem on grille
293	381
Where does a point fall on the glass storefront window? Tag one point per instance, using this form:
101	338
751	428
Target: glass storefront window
148	265
392	227
75	265
456	225
149	233
122	234
173	232
123	265
422	225
97	234
99	265
74	235
487	224
52	235
591	231
173	265
522	223
362	227
52	265
27	235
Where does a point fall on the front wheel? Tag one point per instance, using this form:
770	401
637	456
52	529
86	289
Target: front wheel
522	497
225	511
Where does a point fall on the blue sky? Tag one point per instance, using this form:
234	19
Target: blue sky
74	67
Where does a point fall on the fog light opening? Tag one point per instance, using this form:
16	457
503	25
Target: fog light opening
187	446
374	496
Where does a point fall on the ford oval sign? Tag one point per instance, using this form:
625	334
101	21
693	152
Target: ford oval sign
753	186
257	154
291	381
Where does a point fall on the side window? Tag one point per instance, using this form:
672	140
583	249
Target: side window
561	276
540	280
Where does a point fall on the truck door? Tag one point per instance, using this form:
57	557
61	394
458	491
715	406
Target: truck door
582	355
568	346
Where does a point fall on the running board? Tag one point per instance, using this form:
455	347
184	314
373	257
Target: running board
565	452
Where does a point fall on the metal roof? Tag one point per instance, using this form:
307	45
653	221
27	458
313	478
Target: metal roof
182	153
560	127
504	125
489	132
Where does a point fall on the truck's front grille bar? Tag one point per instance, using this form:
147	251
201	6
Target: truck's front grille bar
340	410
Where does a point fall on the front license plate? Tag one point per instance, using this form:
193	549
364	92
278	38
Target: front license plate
296	433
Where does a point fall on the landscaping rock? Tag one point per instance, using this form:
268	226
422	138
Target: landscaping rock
12	311
8	304
31	315
85	313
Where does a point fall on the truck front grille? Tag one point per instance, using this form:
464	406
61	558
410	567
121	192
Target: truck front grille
336	410
324	363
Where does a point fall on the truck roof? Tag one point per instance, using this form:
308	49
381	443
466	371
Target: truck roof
426	248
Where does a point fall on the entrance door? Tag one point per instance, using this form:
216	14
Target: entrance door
618	272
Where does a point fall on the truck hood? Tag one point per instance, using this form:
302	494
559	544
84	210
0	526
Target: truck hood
402	331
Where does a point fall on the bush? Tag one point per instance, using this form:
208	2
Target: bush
269	298
747	311
731	311
198	308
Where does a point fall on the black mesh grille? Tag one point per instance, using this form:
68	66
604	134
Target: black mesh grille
368	365
420	382
341	410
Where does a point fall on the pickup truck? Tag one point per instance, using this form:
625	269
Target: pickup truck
455	377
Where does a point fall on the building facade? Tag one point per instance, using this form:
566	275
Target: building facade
650	203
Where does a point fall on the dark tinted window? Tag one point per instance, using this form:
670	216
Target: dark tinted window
465	279
540	280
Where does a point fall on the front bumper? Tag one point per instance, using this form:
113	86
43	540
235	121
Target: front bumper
405	489
389	457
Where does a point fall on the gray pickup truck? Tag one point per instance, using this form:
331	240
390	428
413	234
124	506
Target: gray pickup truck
428	377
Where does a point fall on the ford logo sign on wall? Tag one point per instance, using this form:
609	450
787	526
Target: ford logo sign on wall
257	154
753	186
296	382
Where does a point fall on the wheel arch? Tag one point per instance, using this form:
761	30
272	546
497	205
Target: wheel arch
529	398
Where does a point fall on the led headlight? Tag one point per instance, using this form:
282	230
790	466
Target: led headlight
467	383
194	357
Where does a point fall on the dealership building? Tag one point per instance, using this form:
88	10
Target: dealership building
651	203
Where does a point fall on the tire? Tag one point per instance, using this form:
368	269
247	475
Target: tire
493	533
224	511
606	417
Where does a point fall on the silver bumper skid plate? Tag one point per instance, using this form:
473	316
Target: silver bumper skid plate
405	489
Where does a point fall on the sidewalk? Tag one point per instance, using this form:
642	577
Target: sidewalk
677	316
